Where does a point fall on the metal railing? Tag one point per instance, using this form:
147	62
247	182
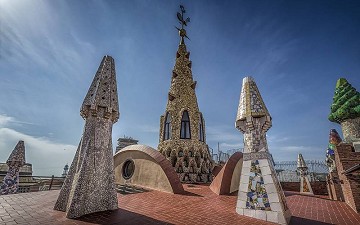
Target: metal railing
30	183
223	156
287	170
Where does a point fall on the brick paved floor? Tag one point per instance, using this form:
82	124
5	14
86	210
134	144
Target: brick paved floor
199	206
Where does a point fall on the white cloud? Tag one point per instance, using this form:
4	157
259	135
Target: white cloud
149	129
47	157
290	152
8	120
299	149
222	134
4	120
276	139
226	146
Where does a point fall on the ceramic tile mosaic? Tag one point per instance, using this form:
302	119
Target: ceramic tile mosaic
253	120
16	160
334	139
305	186
257	197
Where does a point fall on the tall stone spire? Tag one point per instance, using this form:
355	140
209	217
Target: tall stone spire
305	187
16	160
260	194
182	127
89	186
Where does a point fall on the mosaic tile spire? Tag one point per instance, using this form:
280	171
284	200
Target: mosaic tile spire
345	110
182	127
252	116
89	186
260	194
16	160
334	140
305	187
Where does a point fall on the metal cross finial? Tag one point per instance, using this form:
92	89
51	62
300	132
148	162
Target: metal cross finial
183	22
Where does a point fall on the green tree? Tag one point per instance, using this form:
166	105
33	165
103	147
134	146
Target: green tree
346	102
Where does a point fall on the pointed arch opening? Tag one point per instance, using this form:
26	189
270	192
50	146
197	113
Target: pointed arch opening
201	129
173	158
167	127
168	152
197	159
185	126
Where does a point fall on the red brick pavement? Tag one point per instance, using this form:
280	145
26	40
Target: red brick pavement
198	206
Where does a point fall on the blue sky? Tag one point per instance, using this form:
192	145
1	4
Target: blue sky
50	51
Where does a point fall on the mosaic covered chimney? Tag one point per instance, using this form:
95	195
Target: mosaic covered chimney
260	194
16	160
305	187
334	140
89	186
345	110
332	180
182	127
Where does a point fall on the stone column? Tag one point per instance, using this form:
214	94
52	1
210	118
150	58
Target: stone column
89	186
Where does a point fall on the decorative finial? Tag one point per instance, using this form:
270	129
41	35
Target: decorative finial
183	22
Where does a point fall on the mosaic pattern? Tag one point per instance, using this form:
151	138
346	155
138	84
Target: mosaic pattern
190	157
257	197
255	137
301	165
10	182
251	103
334	139
253	120
257	155
303	171
305	187
345	110
16	160
89	186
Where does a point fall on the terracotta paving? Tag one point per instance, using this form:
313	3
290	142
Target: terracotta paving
198	206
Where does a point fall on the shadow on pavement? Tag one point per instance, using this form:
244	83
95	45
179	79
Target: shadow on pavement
119	216
303	221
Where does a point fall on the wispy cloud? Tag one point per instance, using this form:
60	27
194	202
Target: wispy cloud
277	139
41	42
8	120
222	134
46	156
149	128
227	146
4	120
290	152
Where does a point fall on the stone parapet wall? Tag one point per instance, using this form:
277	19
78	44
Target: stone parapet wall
345	158
334	187
318	187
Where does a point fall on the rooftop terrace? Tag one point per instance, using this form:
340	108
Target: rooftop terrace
199	206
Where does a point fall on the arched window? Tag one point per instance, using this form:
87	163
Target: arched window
201	129
167	127
185	126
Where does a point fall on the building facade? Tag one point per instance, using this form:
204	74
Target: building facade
124	142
